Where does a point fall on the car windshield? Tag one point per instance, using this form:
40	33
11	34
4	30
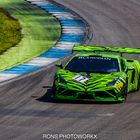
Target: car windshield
93	64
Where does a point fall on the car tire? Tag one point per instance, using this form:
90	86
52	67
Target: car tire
53	89
124	93
138	86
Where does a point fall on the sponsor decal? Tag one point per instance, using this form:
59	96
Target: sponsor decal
80	78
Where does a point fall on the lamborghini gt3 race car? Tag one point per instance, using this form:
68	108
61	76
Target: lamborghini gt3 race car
96	76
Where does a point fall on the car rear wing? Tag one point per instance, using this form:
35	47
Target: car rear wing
120	50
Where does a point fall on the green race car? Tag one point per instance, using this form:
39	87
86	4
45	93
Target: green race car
93	74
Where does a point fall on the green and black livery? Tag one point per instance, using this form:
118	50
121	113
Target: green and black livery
93	74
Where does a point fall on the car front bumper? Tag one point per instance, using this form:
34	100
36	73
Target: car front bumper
105	95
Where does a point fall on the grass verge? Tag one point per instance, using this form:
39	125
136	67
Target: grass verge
10	31
40	32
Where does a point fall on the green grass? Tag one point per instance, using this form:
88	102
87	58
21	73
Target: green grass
40	32
10	31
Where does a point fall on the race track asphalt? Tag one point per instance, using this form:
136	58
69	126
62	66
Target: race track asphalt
27	110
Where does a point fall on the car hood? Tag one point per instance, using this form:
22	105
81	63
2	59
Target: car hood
92	81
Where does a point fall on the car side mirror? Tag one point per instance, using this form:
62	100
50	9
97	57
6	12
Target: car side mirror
59	65
130	68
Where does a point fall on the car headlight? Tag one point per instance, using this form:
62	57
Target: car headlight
115	83
62	80
112	83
